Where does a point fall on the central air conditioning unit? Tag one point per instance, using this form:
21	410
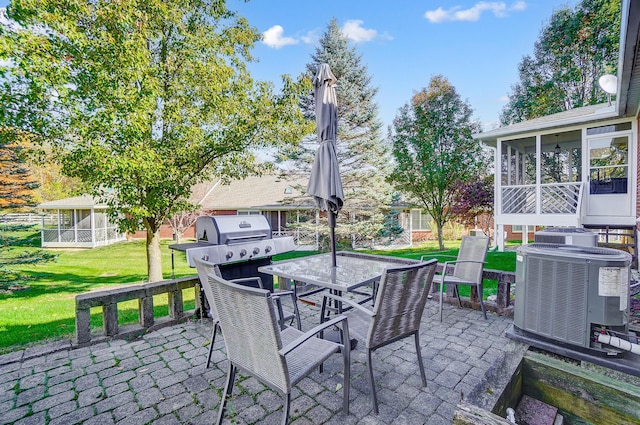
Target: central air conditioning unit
565	293
566	236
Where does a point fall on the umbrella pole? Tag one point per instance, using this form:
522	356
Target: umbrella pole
332	228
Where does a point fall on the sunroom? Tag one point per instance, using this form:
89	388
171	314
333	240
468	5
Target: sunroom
576	168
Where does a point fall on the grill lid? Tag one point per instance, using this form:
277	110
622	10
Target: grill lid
232	229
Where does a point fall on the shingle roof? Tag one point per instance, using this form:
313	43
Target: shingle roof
84	201
574	116
264	192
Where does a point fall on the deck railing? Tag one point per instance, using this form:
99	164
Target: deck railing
109	299
555	198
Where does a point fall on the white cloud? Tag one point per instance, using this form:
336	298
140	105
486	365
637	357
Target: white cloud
311	37
503	99
353	31
499	9
274	37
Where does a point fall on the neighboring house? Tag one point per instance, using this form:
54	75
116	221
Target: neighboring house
78	222
278	199
286	205
579	167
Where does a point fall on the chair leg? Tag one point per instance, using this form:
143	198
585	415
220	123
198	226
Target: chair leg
455	288
296	311
420	364
441	297
213	341
228	388
287	407
374	397
346	358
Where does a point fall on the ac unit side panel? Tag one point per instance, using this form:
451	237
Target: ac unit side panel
576	331
532	293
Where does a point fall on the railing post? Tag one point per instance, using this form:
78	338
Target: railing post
504	292
145	311
110	318
176	308
83	324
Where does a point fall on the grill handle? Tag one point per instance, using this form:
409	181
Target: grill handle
240	239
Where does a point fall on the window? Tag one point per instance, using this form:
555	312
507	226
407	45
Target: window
608	165
249	212
609	128
420	220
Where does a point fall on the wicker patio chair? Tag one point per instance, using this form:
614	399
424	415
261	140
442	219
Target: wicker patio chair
256	344
467	269
397	312
204	268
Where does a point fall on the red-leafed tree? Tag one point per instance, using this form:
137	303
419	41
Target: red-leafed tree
473	203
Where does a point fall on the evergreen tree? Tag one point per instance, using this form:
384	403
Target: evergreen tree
16	193
16	181
363	156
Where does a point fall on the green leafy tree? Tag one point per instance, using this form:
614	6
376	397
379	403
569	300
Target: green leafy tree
142	99
434	150
363	155
574	49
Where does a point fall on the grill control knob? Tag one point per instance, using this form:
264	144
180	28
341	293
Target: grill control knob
256	251
267	249
229	254
243	252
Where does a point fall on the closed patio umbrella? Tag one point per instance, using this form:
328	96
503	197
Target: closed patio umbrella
325	184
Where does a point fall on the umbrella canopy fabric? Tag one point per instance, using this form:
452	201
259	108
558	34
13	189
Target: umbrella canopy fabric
325	184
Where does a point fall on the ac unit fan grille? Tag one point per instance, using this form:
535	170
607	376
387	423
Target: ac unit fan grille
556	294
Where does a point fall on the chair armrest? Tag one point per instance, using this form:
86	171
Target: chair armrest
312	333
350	303
436	255
447	263
242	280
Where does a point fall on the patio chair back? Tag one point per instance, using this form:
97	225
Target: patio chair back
400	302
251	333
469	265
205	268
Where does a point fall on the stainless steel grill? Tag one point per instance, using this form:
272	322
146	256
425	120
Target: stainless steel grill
238	244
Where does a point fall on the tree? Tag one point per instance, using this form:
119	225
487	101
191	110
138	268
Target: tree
473	202
142	99
17	187
434	150
363	156
574	49
16	181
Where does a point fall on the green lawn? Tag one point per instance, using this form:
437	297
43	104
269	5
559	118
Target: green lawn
46	309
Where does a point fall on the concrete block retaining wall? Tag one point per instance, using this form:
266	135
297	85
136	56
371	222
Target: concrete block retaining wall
108	299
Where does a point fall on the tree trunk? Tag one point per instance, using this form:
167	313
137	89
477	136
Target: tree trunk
440	236
154	258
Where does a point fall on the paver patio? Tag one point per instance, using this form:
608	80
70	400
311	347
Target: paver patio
161	378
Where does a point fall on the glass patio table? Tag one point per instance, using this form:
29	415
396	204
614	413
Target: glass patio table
353	270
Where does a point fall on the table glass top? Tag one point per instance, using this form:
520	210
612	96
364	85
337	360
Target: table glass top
351	271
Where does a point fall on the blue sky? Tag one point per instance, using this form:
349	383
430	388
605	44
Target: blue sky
476	45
